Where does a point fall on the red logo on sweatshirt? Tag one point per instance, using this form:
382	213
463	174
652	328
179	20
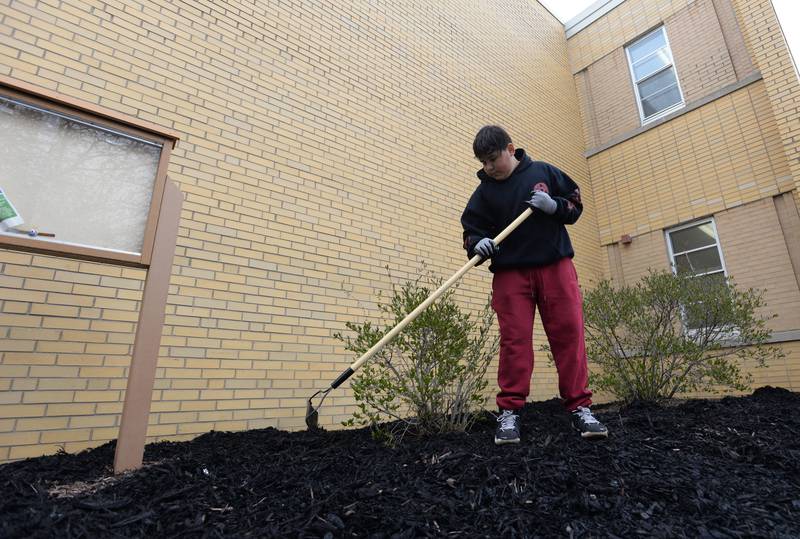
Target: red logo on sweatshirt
541	186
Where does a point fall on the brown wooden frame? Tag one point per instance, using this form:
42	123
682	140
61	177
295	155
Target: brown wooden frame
104	118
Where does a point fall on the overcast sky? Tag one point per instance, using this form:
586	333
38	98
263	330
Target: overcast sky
788	14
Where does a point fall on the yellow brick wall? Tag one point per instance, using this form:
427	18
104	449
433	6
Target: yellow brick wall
731	158
767	47
609	103
319	143
756	227
734	38
719	156
646	251
703	61
624	23
783	372
742	230
66	329
698	46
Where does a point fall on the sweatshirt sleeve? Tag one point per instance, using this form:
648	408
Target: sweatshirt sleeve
476	223
567	197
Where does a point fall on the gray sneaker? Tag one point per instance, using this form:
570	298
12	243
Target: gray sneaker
584	422
507	429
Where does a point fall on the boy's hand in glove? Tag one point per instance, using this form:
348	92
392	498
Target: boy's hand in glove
542	201
486	248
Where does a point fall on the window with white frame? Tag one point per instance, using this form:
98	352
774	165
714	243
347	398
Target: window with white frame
694	251
655	80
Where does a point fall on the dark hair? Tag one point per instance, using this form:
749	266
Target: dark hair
490	139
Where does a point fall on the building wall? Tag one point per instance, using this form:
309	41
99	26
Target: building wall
731	153
609	102
734	38
741	230
715	157
708	51
319	144
771	56
701	55
621	25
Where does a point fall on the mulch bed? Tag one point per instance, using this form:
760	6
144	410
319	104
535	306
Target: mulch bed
700	468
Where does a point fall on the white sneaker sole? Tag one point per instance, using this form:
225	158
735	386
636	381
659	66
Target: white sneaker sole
499	441
590	435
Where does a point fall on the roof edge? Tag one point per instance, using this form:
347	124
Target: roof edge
589	15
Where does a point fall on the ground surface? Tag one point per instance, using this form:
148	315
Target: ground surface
725	468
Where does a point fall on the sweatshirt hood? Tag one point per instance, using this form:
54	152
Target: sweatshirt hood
524	163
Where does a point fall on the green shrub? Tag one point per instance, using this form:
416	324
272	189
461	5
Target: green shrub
671	334
431	377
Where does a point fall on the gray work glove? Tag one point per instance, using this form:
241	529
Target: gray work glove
542	201
486	248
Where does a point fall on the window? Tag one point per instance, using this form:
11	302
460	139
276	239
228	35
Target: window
84	181
694	251
655	80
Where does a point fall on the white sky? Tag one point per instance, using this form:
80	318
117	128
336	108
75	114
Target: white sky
566	9
788	14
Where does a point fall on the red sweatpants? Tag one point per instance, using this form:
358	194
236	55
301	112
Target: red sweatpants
554	289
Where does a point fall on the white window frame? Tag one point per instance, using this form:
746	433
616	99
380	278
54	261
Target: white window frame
693	224
727	335
668	110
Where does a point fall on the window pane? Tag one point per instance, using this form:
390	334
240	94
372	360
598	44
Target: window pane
701	261
649	88
89	186
694	313
646	45
713	279
651	64
660	102
692	238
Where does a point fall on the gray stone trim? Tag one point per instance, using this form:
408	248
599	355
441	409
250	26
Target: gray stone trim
776	337
785	336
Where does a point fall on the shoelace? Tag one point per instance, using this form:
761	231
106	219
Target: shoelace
507	420
586	415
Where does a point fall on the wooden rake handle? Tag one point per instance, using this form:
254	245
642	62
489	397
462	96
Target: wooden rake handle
425	304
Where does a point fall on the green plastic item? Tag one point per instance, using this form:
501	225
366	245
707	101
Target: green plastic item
9	216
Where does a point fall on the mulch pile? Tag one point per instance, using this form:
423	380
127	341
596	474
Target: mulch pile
700	468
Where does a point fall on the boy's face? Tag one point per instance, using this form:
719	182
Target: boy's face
500	164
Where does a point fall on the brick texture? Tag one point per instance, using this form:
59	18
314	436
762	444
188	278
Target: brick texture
740	230
757	224
323	142
620	26
771	56
699	41
319	143
610	102
734	40
716	157
698	46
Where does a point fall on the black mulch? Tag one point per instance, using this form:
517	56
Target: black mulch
716	469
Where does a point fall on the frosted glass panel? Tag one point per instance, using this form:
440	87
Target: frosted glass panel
87	185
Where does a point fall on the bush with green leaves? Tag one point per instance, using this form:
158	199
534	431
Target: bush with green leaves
670	334
431	377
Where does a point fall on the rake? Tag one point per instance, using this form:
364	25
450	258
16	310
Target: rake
312	412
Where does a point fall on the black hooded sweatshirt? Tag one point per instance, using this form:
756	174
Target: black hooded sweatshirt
541	239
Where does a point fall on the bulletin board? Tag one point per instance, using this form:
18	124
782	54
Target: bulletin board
86	182
80	181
